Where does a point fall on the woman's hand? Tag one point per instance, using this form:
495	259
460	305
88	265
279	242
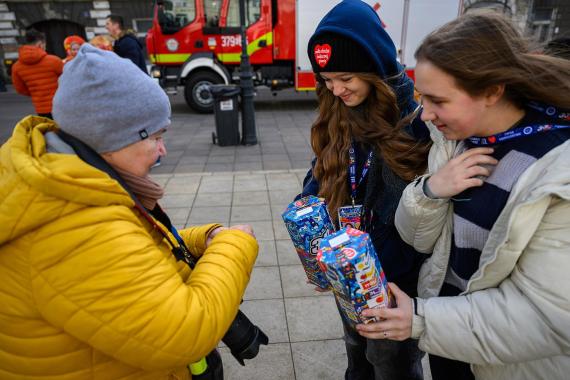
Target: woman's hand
460	173
245	228
395	323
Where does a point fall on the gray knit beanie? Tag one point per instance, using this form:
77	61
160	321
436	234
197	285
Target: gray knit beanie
108	102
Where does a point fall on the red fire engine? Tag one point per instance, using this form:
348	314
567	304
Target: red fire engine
195	43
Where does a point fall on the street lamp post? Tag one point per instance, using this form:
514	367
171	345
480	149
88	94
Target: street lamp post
249	134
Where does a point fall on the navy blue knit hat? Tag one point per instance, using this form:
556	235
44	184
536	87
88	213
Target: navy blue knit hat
350	38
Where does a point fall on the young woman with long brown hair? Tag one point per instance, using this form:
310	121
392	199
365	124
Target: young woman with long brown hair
493	210
364	161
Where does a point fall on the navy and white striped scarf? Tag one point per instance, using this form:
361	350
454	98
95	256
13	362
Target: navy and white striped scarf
477	209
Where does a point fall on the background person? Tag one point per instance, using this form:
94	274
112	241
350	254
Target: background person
362	93
102	42
72	45
95	279
36	72
126	44
493	210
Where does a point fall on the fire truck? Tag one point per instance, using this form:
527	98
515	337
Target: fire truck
196	43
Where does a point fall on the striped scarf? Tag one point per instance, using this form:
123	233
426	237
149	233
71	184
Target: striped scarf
476	210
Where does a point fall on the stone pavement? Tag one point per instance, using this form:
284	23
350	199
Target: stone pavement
250	185
303	326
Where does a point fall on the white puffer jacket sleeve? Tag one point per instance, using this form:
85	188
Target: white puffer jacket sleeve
526	317
420	219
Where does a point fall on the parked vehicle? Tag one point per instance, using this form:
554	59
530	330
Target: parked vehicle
196	43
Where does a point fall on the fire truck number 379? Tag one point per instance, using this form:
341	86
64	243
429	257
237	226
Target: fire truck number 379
231	41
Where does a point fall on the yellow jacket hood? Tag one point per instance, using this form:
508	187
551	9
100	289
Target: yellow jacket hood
37	187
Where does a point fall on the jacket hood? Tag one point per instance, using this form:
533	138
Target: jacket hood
358	21
30	54
37	187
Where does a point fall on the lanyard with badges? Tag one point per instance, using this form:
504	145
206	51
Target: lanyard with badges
527	130
351	216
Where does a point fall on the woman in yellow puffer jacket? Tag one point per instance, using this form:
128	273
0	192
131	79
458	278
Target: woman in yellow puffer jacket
90	287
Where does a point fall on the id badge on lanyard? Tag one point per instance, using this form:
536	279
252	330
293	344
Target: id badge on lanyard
351	216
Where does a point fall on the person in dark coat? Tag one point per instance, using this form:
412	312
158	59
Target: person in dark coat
126	44
363	94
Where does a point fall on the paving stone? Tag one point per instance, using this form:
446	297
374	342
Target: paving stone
249	183
213	199
265	283
267	255
273	362
262	230
186	187
219	167
251	212
269	315
250	198
177	200
280	230
275	157
277	211
276	165
248	158
282	181
221	159
319	360
286	253
313	318
216	184
247	166
203	215
188	168
294	282
284	197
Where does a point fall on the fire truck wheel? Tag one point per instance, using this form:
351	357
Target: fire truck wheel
197	92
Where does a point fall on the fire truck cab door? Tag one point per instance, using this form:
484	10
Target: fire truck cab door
259	32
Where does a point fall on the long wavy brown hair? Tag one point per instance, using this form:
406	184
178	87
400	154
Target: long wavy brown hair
483	49
375	122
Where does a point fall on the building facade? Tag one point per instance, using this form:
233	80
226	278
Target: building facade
542	20
59	19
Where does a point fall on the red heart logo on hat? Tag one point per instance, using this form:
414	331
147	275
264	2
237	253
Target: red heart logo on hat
322	54
492	139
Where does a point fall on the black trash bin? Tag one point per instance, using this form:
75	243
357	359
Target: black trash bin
226	111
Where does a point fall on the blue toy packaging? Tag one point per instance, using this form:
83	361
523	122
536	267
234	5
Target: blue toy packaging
308	222
351	265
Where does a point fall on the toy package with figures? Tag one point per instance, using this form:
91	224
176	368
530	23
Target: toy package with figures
353	269
308	222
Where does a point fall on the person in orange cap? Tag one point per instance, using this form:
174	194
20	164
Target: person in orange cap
72	45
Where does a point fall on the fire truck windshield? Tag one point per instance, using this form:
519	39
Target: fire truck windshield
175	14
212	10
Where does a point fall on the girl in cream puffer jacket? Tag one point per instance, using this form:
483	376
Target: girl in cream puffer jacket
493	210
